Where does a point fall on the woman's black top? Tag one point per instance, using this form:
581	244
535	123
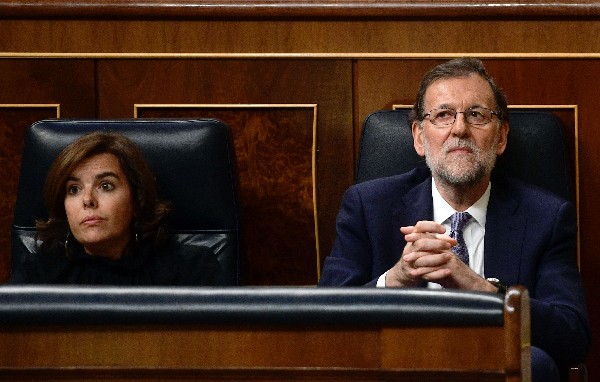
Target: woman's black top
170	264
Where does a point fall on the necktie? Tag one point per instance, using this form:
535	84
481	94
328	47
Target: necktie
458	222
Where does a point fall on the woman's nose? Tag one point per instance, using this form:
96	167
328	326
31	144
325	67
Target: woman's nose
89	200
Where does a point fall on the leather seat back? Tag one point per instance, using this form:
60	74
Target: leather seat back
194	164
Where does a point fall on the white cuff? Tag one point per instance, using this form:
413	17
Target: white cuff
381	281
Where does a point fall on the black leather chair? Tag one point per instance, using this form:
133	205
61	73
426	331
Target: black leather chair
535	153
193	161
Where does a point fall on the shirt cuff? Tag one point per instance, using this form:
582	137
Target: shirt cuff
381	281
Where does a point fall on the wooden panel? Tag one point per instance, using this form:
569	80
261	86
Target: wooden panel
266	9
32	90
275	161
282	248
302	353
349	38
486	344
14	119
69	83
186	347
231	374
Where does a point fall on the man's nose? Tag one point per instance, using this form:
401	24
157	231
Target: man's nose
459	127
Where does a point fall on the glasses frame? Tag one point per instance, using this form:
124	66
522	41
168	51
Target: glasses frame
456	112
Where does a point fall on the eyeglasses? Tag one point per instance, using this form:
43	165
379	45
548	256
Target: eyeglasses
476	116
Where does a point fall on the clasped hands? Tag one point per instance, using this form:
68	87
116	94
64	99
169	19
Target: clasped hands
427	256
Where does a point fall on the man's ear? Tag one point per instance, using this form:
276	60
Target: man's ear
503	138
417	133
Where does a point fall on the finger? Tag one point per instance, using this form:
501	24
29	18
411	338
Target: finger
429	226
408	248
413	256
430	244
447	238
414	236
435	260
423	271
435	274
408	229
408	267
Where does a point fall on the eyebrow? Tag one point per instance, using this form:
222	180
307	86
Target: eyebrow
447	106
102	175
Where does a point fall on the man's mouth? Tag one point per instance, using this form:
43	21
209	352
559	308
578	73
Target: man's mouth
460	150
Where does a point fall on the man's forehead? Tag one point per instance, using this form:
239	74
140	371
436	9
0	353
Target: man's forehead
472	89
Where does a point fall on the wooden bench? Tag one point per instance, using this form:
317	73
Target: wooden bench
262	333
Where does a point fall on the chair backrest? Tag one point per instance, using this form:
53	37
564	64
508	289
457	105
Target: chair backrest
535	151
194	164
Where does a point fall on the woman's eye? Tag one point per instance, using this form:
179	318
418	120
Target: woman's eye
72	190
107	186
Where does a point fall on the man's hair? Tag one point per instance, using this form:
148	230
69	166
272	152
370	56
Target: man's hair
460	67
150	212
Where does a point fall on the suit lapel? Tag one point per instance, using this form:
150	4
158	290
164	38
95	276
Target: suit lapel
504	233
415	205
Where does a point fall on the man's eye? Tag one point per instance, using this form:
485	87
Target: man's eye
477	114
107	186
444	114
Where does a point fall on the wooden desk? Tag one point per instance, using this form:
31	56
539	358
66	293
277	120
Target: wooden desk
262	334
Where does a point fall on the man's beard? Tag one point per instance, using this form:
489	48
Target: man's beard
462	171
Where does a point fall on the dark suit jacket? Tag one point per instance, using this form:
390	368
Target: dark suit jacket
530	240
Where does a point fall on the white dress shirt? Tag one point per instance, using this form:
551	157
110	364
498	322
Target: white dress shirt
473	233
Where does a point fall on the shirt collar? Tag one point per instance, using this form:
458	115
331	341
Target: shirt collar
442	211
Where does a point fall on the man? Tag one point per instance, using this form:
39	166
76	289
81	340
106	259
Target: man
391	232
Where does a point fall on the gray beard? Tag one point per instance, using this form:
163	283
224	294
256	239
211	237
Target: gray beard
463	174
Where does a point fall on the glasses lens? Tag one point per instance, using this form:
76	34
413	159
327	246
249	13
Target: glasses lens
478	116
442	117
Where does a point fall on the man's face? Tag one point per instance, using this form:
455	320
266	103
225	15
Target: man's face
460	153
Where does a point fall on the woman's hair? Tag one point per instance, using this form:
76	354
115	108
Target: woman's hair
460	67
150	212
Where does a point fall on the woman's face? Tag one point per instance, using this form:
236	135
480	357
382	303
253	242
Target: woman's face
99	206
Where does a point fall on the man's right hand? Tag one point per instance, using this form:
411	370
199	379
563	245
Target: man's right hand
427	246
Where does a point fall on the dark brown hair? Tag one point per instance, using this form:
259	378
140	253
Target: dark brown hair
150	212
460	67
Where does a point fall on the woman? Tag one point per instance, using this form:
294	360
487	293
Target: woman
106	224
